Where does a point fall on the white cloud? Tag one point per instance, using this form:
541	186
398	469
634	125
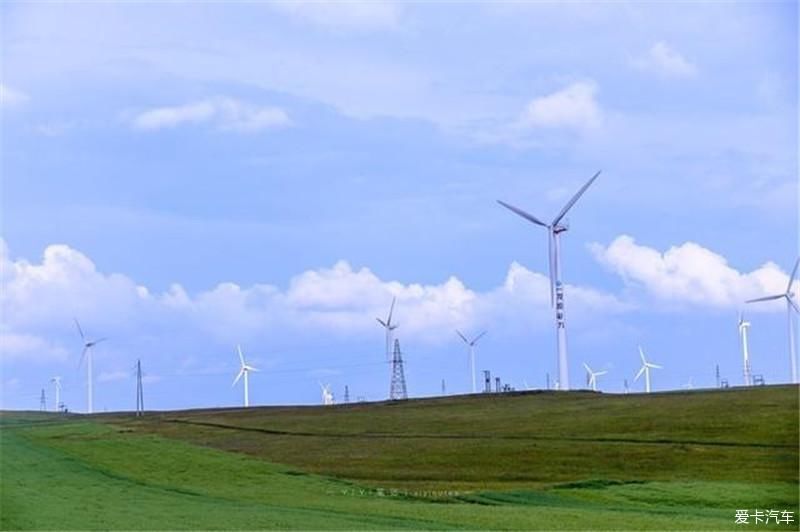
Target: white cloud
21	346
10	97
350	15
341	301
690	273
574	107
665	62
227	114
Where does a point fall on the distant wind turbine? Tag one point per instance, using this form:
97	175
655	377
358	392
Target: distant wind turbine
244	370
389	326
57	384
88	346
591	376
790	304
743	326
554	229
471	347
689	385
327	396
646	367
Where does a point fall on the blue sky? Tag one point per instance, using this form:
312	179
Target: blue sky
186	177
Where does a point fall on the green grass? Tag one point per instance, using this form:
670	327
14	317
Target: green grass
511	462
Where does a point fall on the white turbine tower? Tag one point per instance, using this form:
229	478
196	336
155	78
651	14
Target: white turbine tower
646	367
87	353
743	326
327	396
244	370
591	376
57	384
790	304
554	229
389	326
471	347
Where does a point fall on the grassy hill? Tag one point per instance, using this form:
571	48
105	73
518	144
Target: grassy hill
546	460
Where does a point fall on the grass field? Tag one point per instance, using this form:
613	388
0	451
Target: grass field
523	461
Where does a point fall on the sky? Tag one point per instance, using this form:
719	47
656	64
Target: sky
186	177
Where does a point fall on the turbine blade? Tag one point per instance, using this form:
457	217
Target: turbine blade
767	298
391	311
83	355
80	331
600	373
588	369
475	340
462	336
641	354
654	366
793	304
520	212
382	323
238	376
791	277
241	356
575	198
252	368
103	339
636	378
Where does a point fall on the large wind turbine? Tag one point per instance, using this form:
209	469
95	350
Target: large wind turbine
87	352
471	347
591	376
554	229
646	367
743	326
389	326
244	370
57	383
790	304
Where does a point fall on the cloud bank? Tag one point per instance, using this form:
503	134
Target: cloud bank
690	274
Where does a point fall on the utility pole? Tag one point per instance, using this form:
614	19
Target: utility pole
139	391
42	402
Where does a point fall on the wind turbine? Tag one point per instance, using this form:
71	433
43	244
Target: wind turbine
743	326
689	385
554	229
327	396
591	376
471	347
244	370
646	367
87	353
57	383
389	328
790	304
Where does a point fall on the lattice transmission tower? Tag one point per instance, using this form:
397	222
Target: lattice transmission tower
397	390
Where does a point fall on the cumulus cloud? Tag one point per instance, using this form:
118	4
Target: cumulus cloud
226	114
690	274
10	97
574	106
339	301
665	62
350	15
